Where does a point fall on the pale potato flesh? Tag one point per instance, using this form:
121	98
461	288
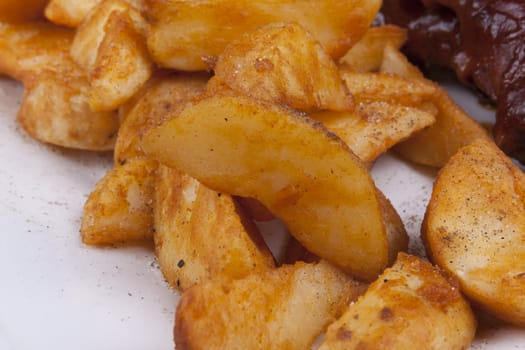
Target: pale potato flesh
201	234
120	208
285	64
187	34
303	174
367	54
410	306
150	107
55	106
284	308
474	228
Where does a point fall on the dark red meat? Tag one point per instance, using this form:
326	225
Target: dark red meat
484	42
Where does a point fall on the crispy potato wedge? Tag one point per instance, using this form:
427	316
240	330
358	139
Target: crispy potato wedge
122	66
14	11
388	87
55	105
110	46
453	128
410	306
69	13
120	208
303	174
394	62
55	110
367	54
187	34
474	228
284	308
285	64
156	101
28	49
374	127
201	234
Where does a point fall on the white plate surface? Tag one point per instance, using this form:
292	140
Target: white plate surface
56	293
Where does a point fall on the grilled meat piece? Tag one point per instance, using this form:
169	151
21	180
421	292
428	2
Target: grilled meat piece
484	42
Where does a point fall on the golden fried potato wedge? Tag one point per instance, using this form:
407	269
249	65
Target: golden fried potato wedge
55	105
201	234
156	101
410	306
28	49
374	127
285	64
55	110
284	308
388	87
474	228
452	130
394	62
120	208
188	34
303	174
110	46
69	13
15	11
367	54
122	66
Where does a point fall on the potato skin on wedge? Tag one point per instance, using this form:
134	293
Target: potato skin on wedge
303	174
410	306
284	308
474	228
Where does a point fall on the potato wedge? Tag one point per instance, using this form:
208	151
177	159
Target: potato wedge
110	46
303	174
474	228
120	208
284	308
187	34
69	13
54	108
28	49
201	234
410	306
14	11
285	64
150	107
374	127
388	88
394	62
453	128
122	66
367	54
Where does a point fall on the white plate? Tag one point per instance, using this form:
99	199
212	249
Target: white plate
56	293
